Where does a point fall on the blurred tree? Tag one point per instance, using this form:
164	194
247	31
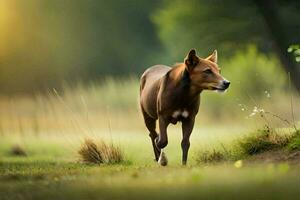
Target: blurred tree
231	25
43	43
280	34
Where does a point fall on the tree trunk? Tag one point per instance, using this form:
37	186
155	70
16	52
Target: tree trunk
281	42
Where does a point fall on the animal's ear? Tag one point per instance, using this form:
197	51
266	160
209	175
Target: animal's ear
191	59
213	57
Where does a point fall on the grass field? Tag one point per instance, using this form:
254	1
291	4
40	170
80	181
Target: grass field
52	170
50	129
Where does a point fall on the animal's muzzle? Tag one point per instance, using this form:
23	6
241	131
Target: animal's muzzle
225	84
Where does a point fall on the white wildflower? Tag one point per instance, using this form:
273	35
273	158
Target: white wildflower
255	110
252	114
261	110
267	94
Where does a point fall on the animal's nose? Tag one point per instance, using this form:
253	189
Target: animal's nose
226	83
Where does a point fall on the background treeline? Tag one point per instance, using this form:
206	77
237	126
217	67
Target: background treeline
46	43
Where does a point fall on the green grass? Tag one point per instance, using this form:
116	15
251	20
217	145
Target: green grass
294	143
263	140
51	128
213	156
21	179
52	171
255	142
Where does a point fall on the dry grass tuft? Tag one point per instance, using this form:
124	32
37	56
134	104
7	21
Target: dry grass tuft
99	153
89	152
211	157
17	150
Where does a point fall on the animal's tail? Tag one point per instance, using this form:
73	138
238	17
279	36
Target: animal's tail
142	83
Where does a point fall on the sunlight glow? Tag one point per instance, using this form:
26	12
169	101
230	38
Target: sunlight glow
8	25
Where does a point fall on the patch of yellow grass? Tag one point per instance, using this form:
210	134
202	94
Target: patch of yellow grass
98	153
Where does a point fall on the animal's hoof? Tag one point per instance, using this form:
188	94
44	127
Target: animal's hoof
163	160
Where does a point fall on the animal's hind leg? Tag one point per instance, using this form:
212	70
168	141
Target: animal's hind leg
151	125
162	141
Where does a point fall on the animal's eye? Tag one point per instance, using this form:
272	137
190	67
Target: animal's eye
208	71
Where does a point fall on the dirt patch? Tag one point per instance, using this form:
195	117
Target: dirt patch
276	156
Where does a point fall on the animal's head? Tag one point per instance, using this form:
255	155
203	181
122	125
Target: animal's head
205	73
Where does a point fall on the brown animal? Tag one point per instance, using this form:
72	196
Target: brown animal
172	94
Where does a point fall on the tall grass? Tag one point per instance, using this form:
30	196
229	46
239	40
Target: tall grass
262	140
84	108
74	110
81	108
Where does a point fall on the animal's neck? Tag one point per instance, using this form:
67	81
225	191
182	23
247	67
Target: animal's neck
182	82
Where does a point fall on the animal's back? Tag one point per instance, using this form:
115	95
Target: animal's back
149	86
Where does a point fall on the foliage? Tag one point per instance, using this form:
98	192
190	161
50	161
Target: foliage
252	76
295	50
206	25
44	43
253	73
226	26
295	141
217	24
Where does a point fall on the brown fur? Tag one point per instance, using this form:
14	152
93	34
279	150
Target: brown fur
172	94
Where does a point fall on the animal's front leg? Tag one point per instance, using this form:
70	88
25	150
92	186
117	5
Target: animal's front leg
162	140
187	128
